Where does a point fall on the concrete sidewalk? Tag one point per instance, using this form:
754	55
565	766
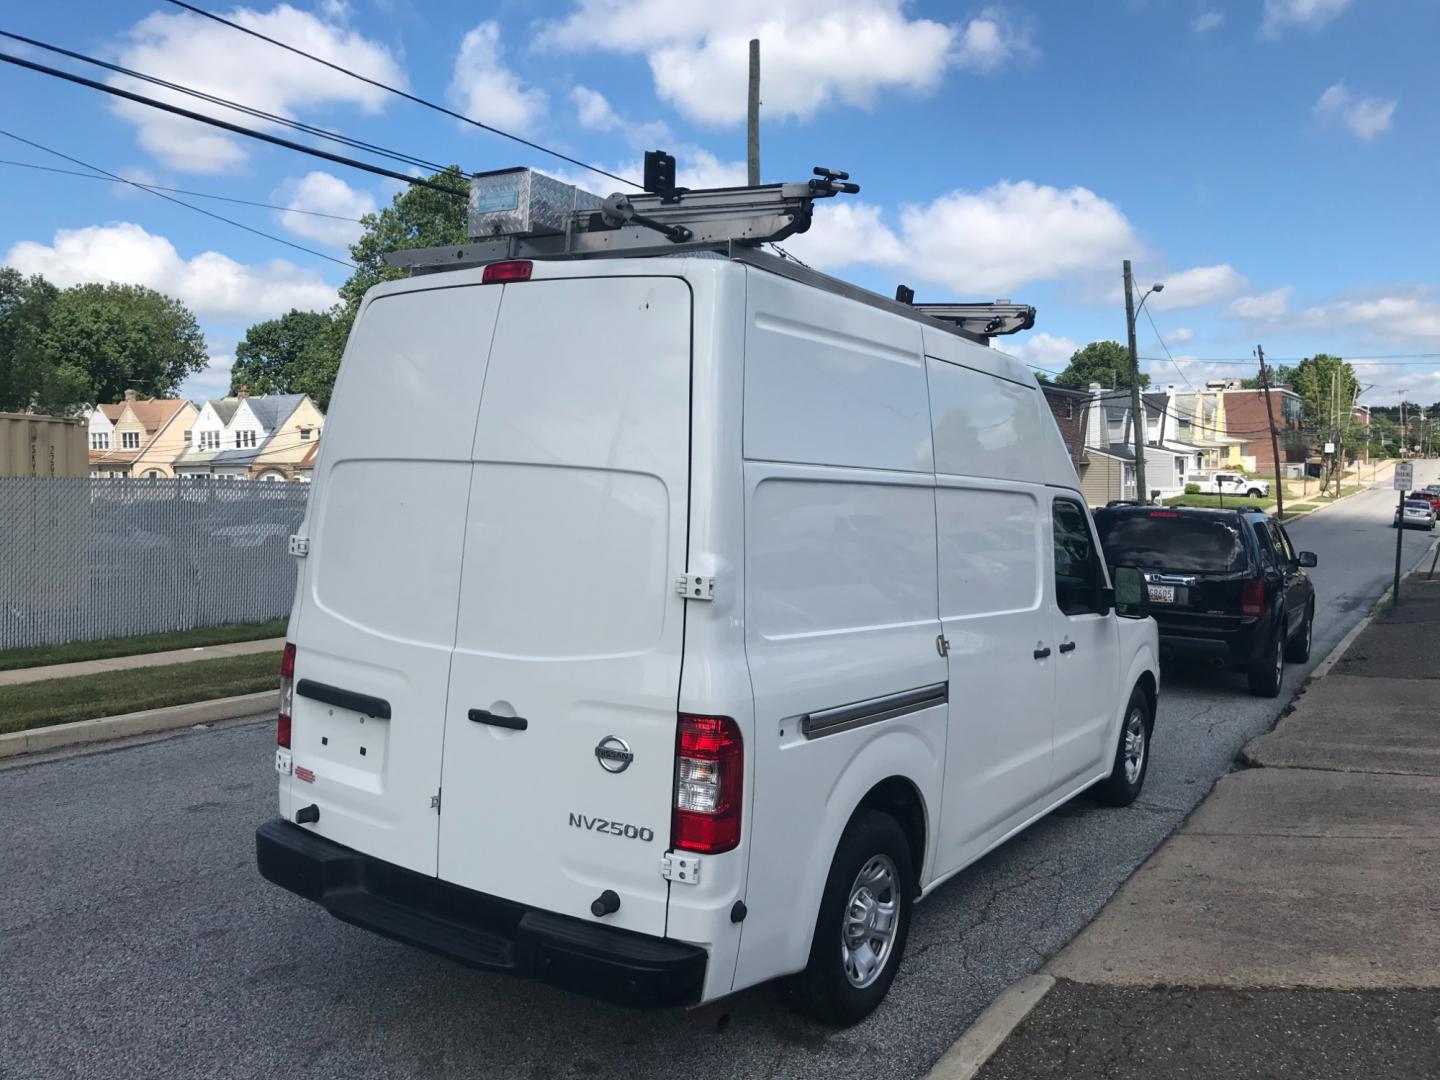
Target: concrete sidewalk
140	660
1291	927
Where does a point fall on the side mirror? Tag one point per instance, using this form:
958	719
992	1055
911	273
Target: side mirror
1105	601
1307	558
1132	601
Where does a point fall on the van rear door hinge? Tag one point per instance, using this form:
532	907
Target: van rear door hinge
435	802
696	586
299	546
682	868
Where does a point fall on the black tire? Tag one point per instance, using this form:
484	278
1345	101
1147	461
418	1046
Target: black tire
1123	785
1267	673
1297	649
825	990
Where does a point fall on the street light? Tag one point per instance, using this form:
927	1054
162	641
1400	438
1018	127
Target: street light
1137	413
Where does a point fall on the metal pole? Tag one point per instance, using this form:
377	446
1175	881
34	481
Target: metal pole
1137	412
1399	533
752	149
1274	438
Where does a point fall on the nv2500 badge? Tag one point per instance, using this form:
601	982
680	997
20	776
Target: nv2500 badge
612	828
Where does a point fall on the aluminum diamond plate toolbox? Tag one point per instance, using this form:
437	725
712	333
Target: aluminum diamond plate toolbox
523	202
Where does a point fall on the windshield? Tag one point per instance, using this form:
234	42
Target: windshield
1167	540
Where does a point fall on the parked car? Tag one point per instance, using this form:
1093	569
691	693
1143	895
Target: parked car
1428	496
1226	586
1232	483
1417	514
674	578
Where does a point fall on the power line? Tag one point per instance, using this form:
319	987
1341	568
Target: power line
259	114
1160	339
177	191
179	202
401	93
226	125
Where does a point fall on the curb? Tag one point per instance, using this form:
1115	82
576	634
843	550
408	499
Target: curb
991	1028
136	723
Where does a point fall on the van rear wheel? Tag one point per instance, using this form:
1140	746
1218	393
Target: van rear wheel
862	925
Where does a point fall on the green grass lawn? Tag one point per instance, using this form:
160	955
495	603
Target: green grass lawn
130	646
60	701
1214	501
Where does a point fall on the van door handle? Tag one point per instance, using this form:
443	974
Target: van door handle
1041	654
1067	646
514	723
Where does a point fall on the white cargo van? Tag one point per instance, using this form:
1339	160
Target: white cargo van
669	625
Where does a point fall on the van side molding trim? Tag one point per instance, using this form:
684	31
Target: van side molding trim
873	710
343	699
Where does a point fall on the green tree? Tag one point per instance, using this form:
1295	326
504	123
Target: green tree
1384	435
417	217
288	355
1103	362
1280	375
60	350
26	377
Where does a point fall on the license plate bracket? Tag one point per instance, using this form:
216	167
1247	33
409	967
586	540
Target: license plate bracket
1162	594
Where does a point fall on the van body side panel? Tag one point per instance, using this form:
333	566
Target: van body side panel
386	526
569	617
715	679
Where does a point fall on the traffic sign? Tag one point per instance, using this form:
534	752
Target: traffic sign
1404	475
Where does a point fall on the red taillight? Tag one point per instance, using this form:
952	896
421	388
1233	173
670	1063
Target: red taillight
287	696
1252	598
709	784
1164	513
515	270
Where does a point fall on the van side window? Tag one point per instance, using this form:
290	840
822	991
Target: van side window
1078	578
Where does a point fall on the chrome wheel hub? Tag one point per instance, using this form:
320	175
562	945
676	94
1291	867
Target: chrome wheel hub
872	915
1134	745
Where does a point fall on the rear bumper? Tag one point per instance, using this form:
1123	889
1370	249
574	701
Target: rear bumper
479	930
1236	646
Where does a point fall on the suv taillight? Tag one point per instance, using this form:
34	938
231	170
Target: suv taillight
1252	598
709	783
287	696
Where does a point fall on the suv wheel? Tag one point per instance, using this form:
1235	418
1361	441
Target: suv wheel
1132	754
1297	650
1254	493
1268	672
862	924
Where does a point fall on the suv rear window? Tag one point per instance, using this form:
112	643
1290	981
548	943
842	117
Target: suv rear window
1164	539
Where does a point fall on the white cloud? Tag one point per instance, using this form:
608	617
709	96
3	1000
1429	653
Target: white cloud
1179	336
1207	21
1365	117
1413	318
484	89
1043	350
211	381
1195	287
1282	15
991	40
322	193
203	54
594	112
978	243
210	284
1269	305
813	53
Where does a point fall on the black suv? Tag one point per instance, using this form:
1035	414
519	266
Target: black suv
1226	586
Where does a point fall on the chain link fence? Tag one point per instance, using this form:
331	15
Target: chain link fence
82	559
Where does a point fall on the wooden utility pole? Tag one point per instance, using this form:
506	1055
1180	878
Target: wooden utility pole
752	150
1137	411
1274	436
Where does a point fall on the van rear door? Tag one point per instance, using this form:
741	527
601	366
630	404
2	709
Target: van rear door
570	629
375	623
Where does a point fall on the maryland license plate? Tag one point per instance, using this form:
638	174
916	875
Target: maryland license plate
1162	594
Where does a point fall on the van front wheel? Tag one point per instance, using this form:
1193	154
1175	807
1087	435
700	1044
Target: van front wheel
1132	754
862	924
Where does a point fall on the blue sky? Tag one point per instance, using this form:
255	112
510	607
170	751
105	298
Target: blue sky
1273	162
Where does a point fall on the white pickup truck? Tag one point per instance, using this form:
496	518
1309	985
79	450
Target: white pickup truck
1232	483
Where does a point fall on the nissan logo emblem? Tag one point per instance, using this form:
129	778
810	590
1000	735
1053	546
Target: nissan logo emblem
614	754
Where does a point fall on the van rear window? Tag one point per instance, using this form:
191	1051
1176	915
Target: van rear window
1165	540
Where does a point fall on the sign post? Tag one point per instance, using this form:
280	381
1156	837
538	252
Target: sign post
1404	481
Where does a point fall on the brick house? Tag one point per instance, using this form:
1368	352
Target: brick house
1246	417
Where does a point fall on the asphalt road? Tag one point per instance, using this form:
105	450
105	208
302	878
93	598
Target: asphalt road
136	938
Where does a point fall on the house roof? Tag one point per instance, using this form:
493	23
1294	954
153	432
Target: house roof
112	412
225	408
308	461
271	410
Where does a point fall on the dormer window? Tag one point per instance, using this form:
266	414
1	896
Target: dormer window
304	434
130	440
100	440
